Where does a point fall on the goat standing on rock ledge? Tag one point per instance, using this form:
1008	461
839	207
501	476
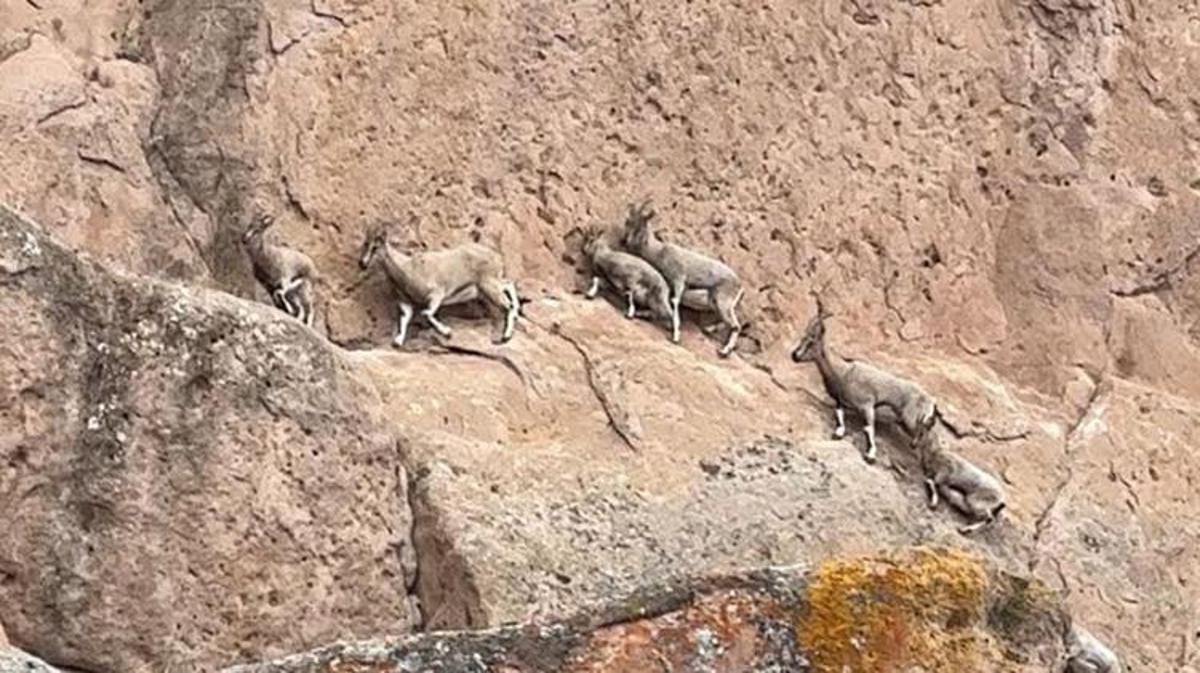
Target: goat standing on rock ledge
633	277
863	388
442	278
281	271
684	269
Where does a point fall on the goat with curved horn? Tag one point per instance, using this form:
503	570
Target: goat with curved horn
684	270
863	388
286	274
440	278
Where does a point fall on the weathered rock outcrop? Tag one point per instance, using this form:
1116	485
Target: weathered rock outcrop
15	661
185	478
934	611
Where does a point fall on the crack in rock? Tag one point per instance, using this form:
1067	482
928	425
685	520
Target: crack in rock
1163	280
506	361
99	161
617	419
326	14
62	109
1092	410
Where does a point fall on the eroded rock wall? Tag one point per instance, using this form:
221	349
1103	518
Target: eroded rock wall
998	199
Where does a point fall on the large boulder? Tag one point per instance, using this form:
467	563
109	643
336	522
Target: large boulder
936	611
187	478
13	660
591	456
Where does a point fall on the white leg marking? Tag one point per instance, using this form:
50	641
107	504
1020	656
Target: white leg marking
971	528
406	314
868	414
933	493
437	324
840	430
510	321
675	315
594	289
730	343
631	308
281	298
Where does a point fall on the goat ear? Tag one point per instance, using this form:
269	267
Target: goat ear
814	325
647	210
822	311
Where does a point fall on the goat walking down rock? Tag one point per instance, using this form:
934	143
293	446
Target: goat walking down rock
442	278
286	274
969	489
684	269
863	388
1086	654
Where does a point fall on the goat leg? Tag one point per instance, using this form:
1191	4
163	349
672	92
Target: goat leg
282	302
840	430
675	301
868	413
594	289
729	316
510	317
510	289
406	314
931	487
631	308
430	314
972	527
288	288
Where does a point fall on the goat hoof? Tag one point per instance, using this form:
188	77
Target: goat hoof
870	459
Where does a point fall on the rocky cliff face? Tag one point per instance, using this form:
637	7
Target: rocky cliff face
997	199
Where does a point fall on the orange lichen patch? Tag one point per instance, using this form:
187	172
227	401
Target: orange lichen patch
721	633
885	615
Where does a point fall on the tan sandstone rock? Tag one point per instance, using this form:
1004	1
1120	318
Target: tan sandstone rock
194	469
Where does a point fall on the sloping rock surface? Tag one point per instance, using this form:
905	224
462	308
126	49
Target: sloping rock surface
934	611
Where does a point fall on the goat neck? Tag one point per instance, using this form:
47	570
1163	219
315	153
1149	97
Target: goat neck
395	263
831	365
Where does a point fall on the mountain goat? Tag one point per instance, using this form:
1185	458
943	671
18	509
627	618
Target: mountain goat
442	278
1086	654
967	488
280	270
859	386
684	269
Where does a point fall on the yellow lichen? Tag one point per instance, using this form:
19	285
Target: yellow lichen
885	615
